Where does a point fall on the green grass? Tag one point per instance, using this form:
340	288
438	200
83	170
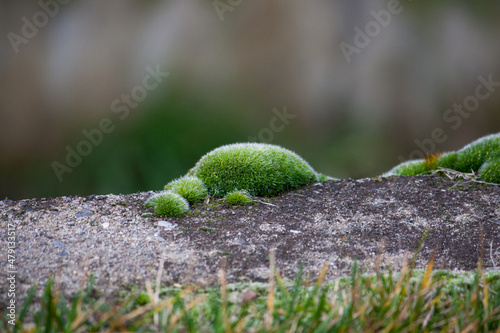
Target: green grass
191	188
410	301
238	198
168	204
261	169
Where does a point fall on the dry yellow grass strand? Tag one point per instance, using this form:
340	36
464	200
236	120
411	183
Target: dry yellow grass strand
322	273
268	319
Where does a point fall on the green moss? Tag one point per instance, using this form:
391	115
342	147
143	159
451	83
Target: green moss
260	169
191	188
472	156
324	178
168	204
480	156
490	171
447	160
238	198
408	168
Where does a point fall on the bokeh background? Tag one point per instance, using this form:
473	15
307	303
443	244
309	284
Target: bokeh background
233	65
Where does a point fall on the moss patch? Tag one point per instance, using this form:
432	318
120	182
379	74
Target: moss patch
409	168
490	171
447	160
260	169
325	178
472	156
481	156
237	172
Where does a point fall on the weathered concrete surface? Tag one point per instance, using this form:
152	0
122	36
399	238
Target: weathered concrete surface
336	222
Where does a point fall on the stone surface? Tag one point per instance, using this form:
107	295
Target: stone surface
376	222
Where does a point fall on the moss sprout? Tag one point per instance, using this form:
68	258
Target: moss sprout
261	169
189	187
240	198
168	204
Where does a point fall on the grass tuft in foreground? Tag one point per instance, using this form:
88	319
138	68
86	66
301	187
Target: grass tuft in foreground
410	301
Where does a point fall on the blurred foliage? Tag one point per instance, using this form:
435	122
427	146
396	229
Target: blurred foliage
165	137
484	9
145	151
160	142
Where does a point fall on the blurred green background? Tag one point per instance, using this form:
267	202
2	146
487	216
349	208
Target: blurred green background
228	70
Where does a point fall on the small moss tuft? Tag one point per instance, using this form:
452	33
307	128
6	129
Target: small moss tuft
238	198
490	171
168	204
324	178
191	188
261	169
408	168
